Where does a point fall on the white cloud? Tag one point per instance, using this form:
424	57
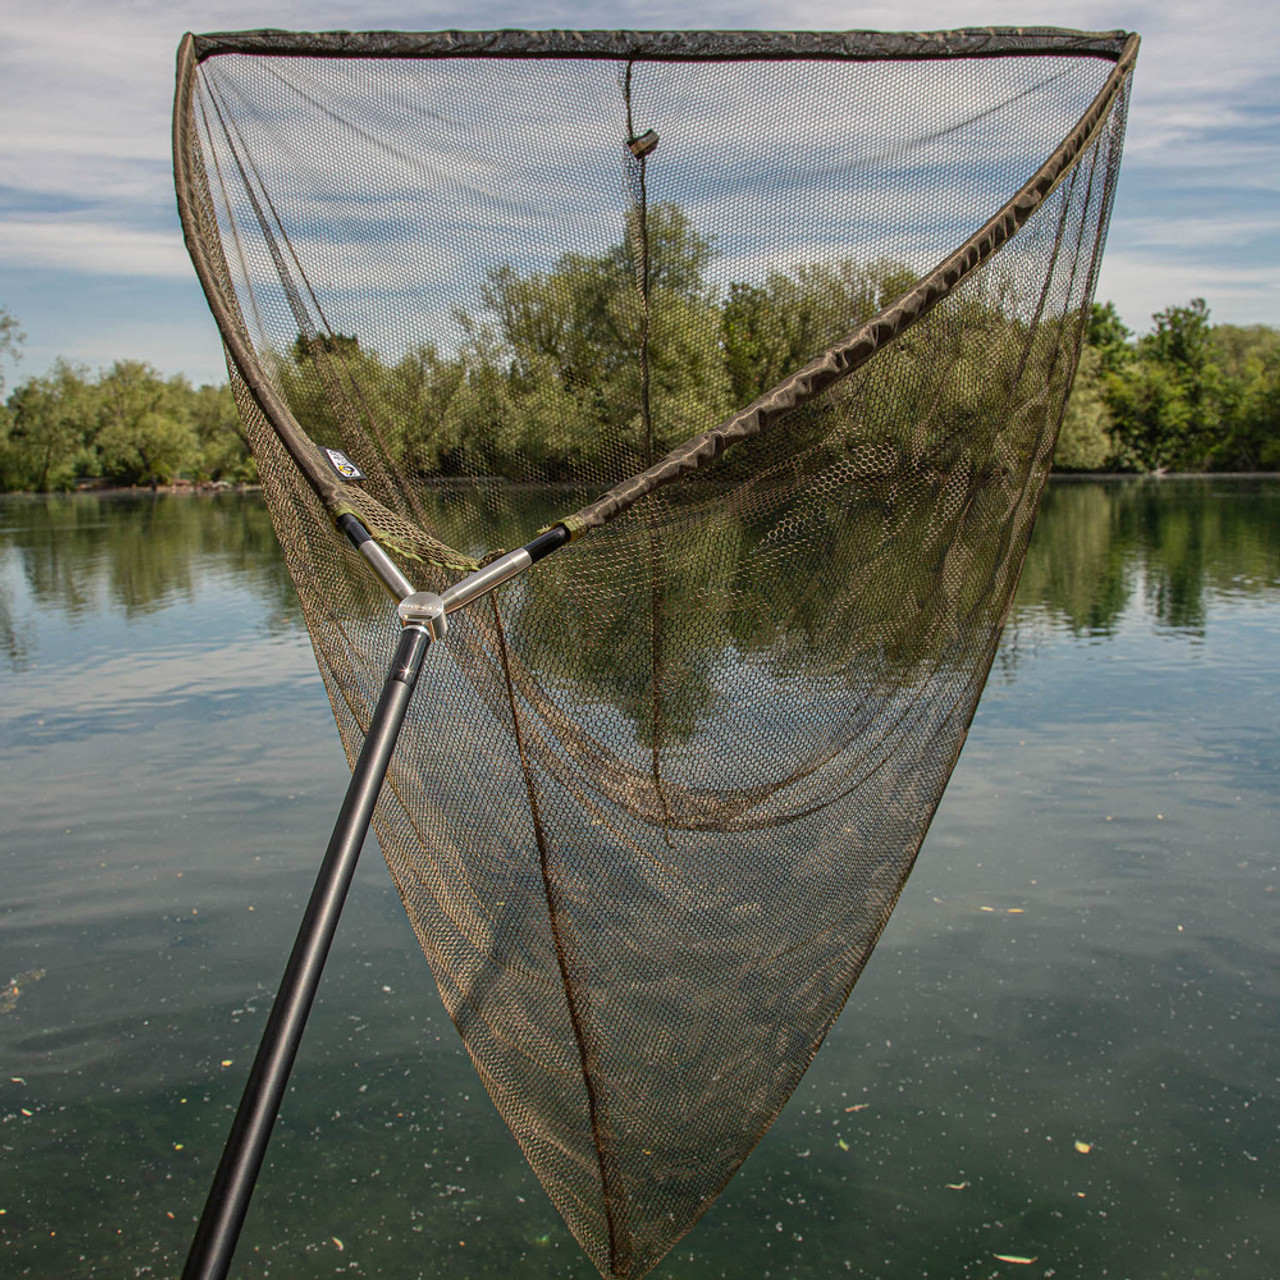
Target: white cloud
99	248
86	88
1142	284
1193	235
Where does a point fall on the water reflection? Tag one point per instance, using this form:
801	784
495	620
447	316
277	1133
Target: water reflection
130	555
1176	543
1086	949
1173	545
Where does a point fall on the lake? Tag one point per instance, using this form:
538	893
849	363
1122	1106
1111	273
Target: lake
1064	1048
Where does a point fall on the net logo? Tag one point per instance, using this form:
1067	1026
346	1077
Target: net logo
343	465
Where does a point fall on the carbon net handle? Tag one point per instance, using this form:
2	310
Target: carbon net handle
763	413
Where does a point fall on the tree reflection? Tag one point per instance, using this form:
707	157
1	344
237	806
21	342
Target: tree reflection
1178	542
134	554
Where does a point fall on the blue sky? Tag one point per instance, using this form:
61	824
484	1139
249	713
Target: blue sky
91	258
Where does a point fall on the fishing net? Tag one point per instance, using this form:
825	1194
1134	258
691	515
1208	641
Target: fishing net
780	327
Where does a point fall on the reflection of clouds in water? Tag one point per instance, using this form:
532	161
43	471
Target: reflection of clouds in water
17	634
403	184
112	693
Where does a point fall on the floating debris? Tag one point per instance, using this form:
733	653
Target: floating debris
15	987
1014	1257
1083	1147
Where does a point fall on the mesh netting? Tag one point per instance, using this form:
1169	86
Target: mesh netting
782	328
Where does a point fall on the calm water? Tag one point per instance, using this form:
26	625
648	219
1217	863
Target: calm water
1065	1047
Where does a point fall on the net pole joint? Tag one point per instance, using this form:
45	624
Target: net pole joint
424	609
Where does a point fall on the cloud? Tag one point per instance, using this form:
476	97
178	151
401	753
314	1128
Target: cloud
1142	285
1196	235
86	92
99	248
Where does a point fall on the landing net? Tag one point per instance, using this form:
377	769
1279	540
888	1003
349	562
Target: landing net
781	328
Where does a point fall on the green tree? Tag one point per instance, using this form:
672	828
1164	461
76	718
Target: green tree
769	331
1109	337
1181	343
53	422
1151	416
223	449
1085	441
1168	400
1249	360
559	361
145	431
11	340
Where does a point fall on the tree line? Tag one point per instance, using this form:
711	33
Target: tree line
1187	396
550	360
125	425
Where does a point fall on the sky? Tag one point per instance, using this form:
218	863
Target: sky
91	256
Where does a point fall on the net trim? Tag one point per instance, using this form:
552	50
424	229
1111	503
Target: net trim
673	46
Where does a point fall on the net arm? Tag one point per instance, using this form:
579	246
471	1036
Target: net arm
423	605
386	570
425	608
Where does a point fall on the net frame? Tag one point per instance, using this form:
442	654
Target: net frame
407	540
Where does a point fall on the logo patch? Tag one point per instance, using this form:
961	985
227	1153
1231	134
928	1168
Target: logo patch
343	465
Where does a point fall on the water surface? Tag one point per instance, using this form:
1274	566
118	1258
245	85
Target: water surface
1063	1049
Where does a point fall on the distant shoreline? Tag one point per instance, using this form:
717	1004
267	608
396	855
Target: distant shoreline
210	488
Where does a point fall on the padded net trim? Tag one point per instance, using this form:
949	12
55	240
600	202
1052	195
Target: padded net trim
857	46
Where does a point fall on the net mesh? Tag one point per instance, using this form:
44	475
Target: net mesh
655	800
